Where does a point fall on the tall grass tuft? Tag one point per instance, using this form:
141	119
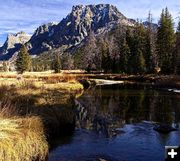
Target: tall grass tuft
21	138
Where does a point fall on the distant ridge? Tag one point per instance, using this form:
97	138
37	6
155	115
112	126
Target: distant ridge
68	33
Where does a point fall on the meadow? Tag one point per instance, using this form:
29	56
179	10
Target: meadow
34	109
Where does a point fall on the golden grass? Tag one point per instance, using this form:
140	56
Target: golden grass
34	92
22	139
46	93
46	80
42	89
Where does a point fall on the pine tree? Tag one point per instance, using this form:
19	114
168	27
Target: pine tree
140	62
130	43
23	61
177	51
150	53
165	42
138	49
57	64
124	57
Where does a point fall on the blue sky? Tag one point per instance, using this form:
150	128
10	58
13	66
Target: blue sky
27	15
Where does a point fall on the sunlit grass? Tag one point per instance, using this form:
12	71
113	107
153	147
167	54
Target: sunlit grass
22	139
45	80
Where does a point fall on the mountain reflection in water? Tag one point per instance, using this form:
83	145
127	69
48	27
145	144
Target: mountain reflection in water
104	110
113	123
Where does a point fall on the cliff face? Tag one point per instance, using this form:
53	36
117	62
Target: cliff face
13	44
72	30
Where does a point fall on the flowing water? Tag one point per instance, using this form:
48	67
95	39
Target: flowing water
116	124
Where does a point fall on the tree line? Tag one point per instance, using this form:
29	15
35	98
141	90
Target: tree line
134	50
137	49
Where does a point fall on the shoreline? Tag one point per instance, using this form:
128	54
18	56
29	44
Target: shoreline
157	81
42	94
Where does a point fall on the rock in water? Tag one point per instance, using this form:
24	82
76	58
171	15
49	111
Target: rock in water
164	128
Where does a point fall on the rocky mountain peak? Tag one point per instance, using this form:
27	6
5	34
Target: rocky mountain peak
95	14
13	43
73	29
70	32
44	28
18	38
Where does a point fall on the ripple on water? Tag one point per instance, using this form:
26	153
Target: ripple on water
89	146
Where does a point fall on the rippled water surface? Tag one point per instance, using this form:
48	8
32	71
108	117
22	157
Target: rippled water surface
116	124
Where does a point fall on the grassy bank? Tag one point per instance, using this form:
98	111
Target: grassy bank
42	109
22	139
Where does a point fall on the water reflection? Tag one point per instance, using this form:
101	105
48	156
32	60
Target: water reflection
116	124
105	109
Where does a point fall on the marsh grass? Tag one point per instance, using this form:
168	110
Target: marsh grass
34	109
57	78
21	138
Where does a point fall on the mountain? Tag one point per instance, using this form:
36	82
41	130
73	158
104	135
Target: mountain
13	44
73	29
154	26
69	33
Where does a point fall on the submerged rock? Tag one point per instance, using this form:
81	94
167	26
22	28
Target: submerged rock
164	128
86	84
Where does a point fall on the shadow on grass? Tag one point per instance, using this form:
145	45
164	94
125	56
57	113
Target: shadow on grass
55	108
